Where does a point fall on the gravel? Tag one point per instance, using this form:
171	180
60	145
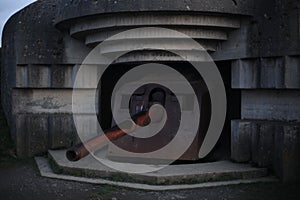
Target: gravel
20	180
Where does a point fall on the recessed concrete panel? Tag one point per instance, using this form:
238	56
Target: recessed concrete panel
273	144
62	132
281	105
266	73
241	141
42	101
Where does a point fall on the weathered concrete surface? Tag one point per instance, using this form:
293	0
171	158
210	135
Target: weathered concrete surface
24	42
45	76
74	9
46	171
39	68
201	27
36	101
269	80
43	119
287	149
268	144
266	73
36	54
35	134
275	29
208	30
280	105
261	38
241	141
189	173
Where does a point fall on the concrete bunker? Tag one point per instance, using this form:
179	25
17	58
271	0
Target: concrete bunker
260	69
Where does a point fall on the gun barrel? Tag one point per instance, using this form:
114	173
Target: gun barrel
141	119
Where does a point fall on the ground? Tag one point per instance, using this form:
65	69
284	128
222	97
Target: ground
20	180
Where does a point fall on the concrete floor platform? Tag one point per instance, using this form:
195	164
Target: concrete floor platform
172	177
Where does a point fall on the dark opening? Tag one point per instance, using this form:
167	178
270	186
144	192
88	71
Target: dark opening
222	148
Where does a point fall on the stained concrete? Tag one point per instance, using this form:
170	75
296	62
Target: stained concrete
174	177
32	185
173	174
266	73
268	105
275	145
261	38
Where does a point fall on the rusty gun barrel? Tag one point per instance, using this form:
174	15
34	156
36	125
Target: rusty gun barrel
141	119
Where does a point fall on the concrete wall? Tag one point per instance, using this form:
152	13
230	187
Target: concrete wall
42	51
268	75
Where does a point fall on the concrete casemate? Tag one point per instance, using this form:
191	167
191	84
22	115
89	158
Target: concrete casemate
44	44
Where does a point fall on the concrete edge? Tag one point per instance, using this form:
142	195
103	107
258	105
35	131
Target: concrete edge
155	178
46	171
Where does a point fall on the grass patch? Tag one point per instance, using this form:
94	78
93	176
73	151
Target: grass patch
106	192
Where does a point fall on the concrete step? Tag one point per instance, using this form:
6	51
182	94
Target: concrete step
109	22
215	172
